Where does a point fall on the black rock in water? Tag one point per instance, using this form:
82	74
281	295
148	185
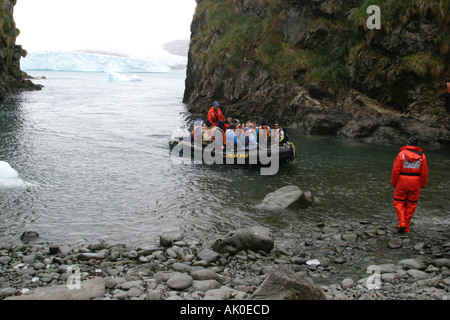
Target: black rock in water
28	236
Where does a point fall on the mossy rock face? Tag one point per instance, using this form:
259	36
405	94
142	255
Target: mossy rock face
315	65
12	79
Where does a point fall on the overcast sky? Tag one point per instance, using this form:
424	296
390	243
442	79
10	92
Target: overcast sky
133	27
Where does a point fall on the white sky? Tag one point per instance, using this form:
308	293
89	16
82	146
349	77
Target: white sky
133	27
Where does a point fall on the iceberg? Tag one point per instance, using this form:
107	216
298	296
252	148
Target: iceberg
114	76
91	62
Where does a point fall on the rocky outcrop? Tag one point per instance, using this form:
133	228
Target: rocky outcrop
12	79
314	65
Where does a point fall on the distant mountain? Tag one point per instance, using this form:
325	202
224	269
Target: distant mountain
177	47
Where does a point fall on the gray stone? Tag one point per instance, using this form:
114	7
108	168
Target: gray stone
154	294
6	292
5	259
222	293
130	284
205	285
208	255
395	243
28	236
412	264
204	274
442	262
90	289
387	268
347	283
179	281
417	274
29	259
285	284
181	267
284	197
254	238
388	277
134	292
39	266
165	241
350	237
89	255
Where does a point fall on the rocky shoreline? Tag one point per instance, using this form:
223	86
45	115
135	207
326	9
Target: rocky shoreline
361	260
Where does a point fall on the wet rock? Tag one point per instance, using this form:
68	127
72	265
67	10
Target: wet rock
254	238
165	241
286	196
29	236
284	284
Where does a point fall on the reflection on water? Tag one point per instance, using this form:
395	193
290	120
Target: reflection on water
96	157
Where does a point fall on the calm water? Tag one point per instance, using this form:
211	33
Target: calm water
94	164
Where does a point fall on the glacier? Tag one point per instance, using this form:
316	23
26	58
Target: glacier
91	62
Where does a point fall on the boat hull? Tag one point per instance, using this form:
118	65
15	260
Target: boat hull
256	156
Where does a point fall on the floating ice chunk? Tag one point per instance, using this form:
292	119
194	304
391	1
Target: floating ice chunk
114	76
6	172
9	178
135	78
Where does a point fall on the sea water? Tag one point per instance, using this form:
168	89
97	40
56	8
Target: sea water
93	156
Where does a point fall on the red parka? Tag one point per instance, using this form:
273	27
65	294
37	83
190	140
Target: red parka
215	116
410	168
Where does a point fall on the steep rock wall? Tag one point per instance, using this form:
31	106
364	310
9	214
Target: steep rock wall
12	79
314	65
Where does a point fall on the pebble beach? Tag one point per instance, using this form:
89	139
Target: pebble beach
363	260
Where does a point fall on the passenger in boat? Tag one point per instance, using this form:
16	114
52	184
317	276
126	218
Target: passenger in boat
207	133
280	134
232	140
215	114
220	130
263	133
228	121
250	138
196	133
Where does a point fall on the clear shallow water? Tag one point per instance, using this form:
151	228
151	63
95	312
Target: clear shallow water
95	164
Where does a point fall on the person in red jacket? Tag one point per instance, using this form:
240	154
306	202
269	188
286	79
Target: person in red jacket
409	176
215	114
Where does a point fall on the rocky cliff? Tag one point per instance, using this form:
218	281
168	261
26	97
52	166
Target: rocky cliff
12	79
315	65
